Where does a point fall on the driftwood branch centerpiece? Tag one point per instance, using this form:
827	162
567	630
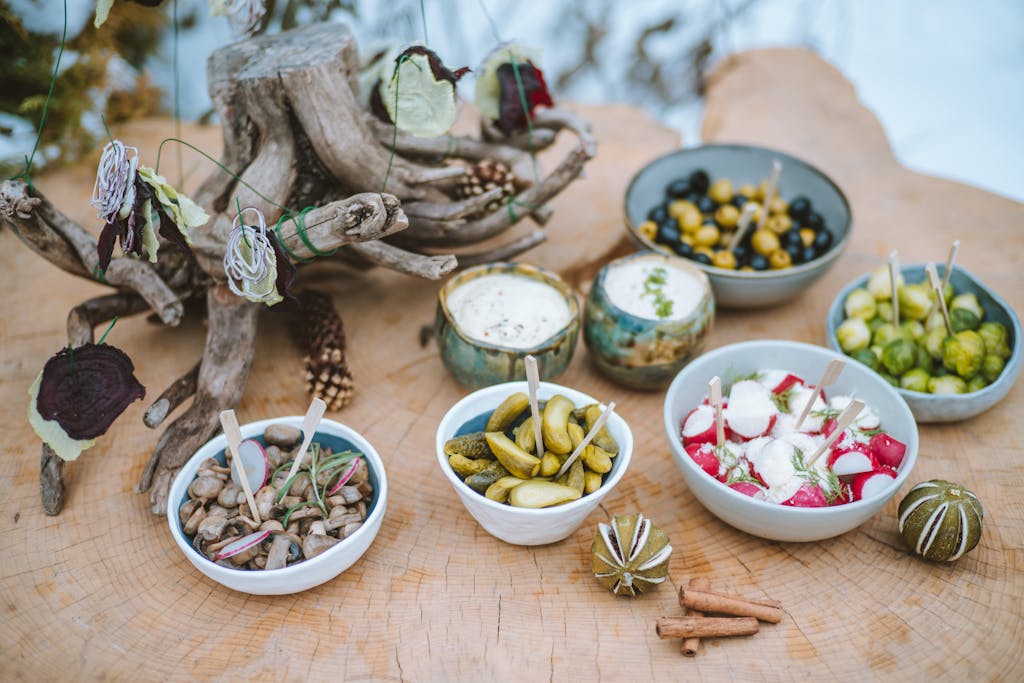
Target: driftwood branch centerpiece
297	133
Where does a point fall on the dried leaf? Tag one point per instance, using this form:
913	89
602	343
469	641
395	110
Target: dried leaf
419	97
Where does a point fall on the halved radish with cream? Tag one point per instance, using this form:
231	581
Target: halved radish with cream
887	450
699	426
773	463
748	489
751	412
241	545
704	455
254	462
798	398
853	459
807	496
872	483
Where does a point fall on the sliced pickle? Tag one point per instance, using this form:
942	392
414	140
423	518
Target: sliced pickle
541	494
550	464
491	473
555	424
525	436
603	438
499	490
515	459
592	481
468	445
596	460
506	413
465	467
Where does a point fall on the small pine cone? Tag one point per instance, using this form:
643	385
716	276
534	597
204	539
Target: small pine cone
322	335
485	176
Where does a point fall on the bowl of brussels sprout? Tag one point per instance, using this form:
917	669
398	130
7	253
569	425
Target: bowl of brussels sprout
943	377
692	204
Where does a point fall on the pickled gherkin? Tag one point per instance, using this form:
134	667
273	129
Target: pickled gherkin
515	459
499	490
526	438
464	467
506	413
603	439
468	445
491	473
555	424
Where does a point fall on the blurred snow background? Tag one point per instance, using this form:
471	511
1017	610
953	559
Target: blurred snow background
945	77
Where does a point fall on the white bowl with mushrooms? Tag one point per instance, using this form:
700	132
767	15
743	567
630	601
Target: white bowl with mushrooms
209	517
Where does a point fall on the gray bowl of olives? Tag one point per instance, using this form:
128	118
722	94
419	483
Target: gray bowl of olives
942	378
687	203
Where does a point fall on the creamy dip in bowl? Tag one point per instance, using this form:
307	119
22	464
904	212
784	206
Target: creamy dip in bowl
491	316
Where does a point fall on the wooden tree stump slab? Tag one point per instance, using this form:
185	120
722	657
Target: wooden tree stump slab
103	592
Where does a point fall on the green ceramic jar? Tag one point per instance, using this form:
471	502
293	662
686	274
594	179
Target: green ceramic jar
476	362
644	349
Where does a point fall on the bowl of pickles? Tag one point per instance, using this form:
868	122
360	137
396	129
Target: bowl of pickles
759	243
487	448
943	377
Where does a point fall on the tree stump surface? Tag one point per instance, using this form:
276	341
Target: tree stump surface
103	592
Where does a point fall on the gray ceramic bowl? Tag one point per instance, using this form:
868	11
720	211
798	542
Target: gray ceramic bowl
948	407
644	353
746	164
477	364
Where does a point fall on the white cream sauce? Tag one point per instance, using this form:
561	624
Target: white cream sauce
653	288
508	310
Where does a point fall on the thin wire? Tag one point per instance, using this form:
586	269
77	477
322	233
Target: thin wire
109	328
177	100
394	124
27	173
423	18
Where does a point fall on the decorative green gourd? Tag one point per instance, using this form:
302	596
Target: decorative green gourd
940	520
630	555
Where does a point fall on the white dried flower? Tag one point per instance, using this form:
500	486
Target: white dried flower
115	180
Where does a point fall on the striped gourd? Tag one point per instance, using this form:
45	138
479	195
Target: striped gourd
630	555
940	520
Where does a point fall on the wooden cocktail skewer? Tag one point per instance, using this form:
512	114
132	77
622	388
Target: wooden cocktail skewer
945	276
844	420
894	272
742	225
715	387
769	192
314	414
533	382
831	374
598	423
933	278
229	422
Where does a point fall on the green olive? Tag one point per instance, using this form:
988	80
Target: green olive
706	236
721	191
724	258
648	229
765	242
779	224
807	237
747	190
779	259
727	215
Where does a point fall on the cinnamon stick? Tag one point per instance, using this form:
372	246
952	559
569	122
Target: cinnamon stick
705	627
692	644
708	601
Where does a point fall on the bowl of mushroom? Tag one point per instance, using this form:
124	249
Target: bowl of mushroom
312	524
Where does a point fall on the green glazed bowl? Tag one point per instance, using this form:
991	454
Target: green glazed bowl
476	363
639	352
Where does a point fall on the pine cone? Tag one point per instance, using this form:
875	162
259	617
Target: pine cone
485	176
322	335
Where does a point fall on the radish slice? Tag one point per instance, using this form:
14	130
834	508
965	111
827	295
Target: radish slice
808	496
888	450
788	381
254	462
345	477
853	460
748	489
242	544
699	426
751	412
872	483
704	455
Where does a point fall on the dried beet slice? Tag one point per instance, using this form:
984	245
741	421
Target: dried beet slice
85	389
512	118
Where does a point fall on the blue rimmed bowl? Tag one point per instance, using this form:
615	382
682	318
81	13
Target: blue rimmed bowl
948	407
644	353
476	363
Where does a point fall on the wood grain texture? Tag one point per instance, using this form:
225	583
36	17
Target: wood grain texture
102	591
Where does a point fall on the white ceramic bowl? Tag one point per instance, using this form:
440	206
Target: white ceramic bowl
522	526
768	520
306	574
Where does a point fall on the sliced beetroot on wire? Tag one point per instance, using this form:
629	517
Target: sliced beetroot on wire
242	544
344	478
853	459
254	462
888	450
872	483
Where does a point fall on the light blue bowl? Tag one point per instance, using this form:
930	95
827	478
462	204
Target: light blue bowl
643	353
948	407
476	364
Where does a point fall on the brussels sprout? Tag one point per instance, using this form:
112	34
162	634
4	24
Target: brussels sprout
860	304
874	324
884	310
915	379
879	284
885	334
992	366
877	350
932	342
898	356
867	357
935	321
889	378
922	359
915	301
961	319
997	339
948	293
976	383
947	384
968	302
963	353
853	334
912	329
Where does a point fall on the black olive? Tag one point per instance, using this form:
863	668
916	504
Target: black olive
678	189
658	214
758	262
791	238
692	197
795	251
814	221
742	253
808	254
799	208
668	233
739	200
822	241
706	204
702	258
684	249
700	181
